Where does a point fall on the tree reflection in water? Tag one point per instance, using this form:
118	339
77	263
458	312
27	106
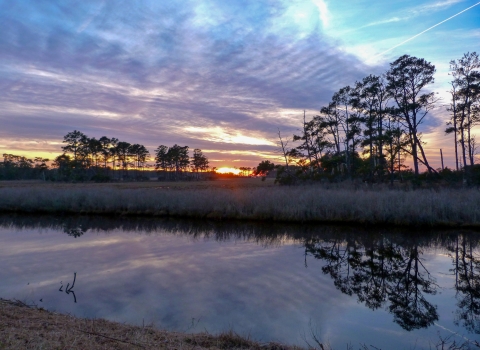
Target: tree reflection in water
466	268
75	231
380	273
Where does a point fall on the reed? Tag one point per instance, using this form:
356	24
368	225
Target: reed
446	207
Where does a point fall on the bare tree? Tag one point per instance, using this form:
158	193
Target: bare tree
466	74
452	125
407	78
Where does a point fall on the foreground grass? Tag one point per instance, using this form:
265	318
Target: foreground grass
446	207
23	327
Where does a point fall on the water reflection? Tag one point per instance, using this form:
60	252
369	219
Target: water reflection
74	231
76	226
380	272
386	270
68	288
466	268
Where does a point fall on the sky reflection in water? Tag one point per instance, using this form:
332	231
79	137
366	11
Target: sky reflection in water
272	282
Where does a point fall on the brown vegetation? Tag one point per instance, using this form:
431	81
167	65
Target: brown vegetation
24	327
227	182
427	207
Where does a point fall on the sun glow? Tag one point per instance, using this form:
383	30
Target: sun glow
218	134
226	170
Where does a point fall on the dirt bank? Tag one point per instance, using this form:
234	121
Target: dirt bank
26	327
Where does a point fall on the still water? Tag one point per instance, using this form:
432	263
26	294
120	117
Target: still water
392	289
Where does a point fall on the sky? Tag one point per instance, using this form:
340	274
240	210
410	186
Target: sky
220	75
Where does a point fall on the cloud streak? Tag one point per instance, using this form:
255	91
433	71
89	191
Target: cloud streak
410	13
157	73
220	76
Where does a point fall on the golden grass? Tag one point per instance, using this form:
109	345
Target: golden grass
24	327
250	199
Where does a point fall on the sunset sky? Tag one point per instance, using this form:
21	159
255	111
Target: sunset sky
220	75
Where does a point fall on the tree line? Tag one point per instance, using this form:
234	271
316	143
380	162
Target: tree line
106	159
16	167
369	129
102	159
173	162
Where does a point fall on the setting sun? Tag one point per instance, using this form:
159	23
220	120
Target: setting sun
226	170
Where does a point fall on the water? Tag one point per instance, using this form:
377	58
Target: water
392	289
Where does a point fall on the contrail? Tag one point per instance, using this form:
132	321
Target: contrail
426	30
454	333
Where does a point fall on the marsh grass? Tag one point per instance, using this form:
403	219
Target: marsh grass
427	207
26	327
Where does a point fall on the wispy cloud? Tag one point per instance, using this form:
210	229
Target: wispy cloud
413	12
323	12
219	134
435	6
385	21
179	72
218	75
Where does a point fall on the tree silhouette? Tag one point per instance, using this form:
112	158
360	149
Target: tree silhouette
370	99
465	105
199	161
407	301
63	163
161	158
263	168
466	268
113	152
407	77
122	151
380	273
179	158
74	142
139	154
175	160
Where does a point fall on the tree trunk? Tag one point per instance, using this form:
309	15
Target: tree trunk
414	154
307	142
462	139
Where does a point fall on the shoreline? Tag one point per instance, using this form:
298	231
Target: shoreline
213	218
445	208
25	326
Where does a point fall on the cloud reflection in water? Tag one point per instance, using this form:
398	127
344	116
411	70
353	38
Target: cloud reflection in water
213	276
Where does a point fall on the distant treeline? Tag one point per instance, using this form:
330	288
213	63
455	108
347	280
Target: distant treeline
107	159
22	168
369	129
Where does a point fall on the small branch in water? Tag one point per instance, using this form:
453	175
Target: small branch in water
74	278
69	289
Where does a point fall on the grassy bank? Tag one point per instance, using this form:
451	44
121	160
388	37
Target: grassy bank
24	327
446	207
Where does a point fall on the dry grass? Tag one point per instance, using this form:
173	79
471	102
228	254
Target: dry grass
23	327
230	183
251	200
